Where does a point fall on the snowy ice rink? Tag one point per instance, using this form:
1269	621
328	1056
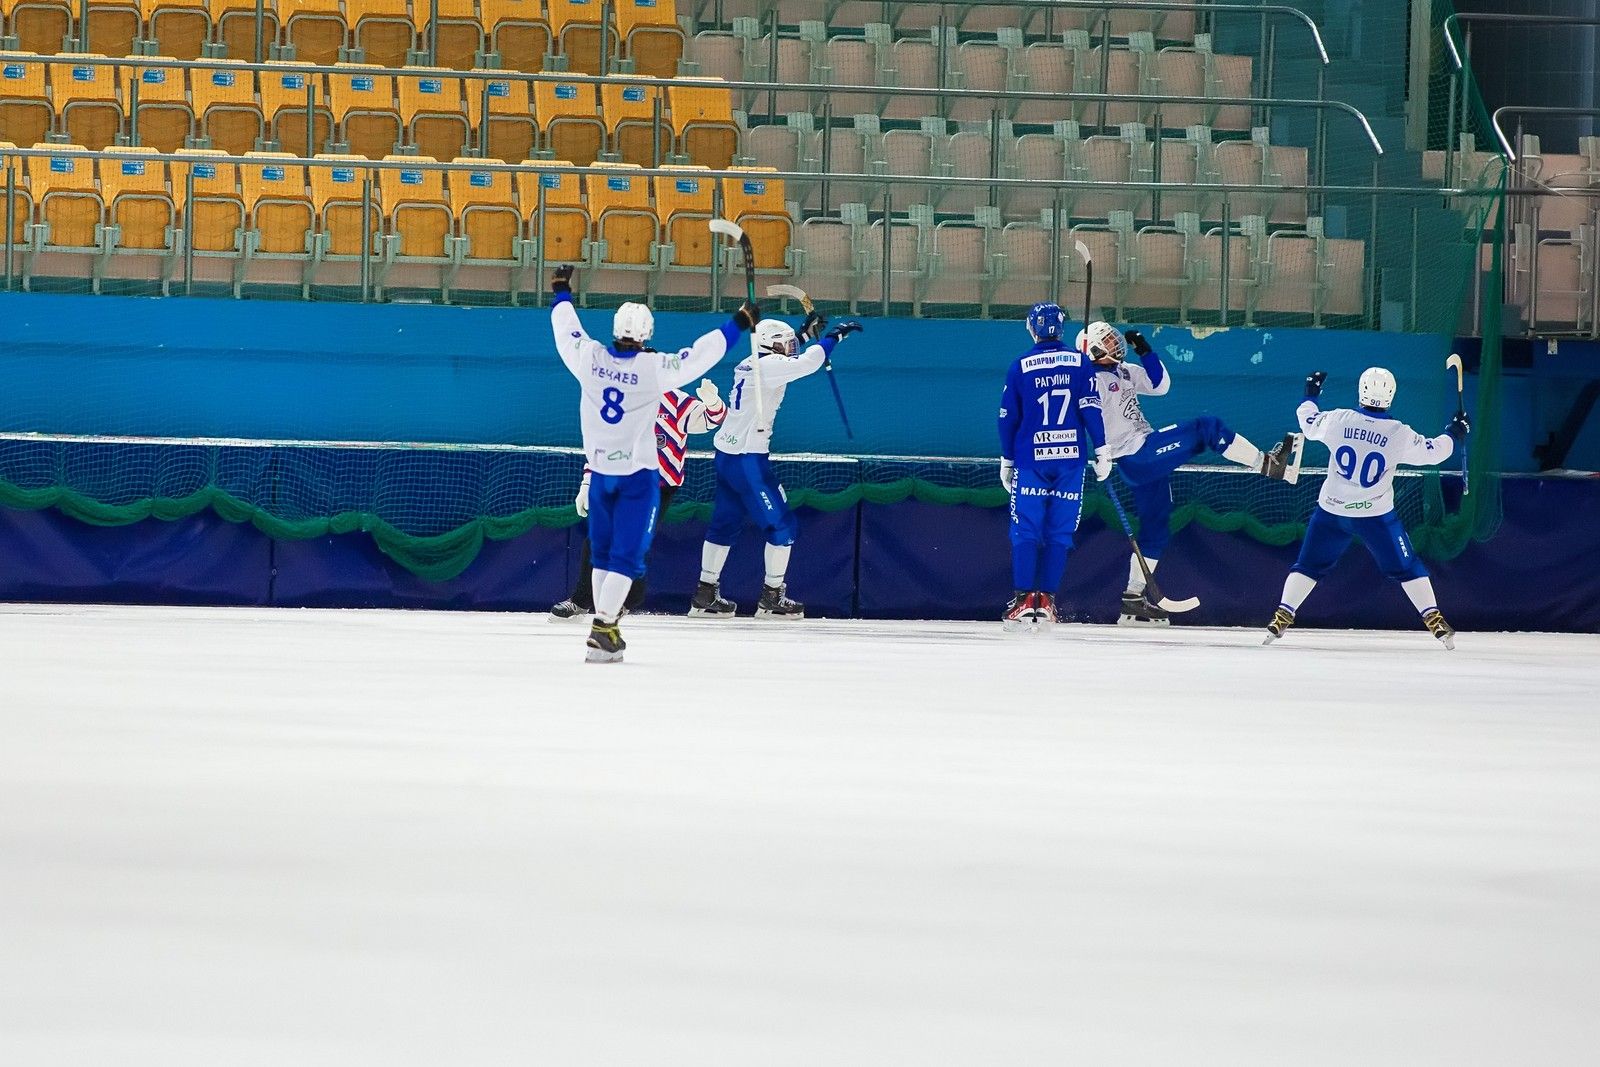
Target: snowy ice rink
236	837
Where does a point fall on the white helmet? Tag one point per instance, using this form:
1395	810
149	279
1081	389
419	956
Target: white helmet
1376	388
633	322
774	336
1103	344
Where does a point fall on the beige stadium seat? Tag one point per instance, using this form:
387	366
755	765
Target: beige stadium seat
1291	275
909	152
25	112
1027	253
384	30
684	205
757	203
621	216
364	112
86	98
1124	77
67	200
982	65
776	146
419	220
1344	266
960	268
112	27
968	155
433	114
316	29
1183	162
511	132
1110	160
39	25
218	206
165	120
850	61
1040	156
225	103
139	210
1181	72
906	274
829	261
651	36
570	115
1241	272
285	95
561	228
487	215
1052	67
630	119
234	23
460	39
179	28
277	204
794	68
1165	276
719	55
915	65
518	32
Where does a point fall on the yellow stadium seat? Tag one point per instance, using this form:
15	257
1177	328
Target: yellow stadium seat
383	30
163	119
86	99
460	38
651	37
562	227
485	204
315	28
217	210
180	27
337	194
518	33
619	207
68	203
285	95
364	111
685	205
756	203
430	107
572	127
225	103
631	122
235	27
703	122
511	132
25	112
39	25
575	25
139	210
276	203
417	212
22	213
113	26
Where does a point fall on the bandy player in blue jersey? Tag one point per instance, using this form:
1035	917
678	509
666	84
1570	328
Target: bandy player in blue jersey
1049	416
1366	446
623	383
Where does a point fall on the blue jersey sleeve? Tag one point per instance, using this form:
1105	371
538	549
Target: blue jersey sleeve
1010	414
1089	410
1151	361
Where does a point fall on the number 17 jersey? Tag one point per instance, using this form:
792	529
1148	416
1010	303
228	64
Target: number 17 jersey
1364	451
1050	409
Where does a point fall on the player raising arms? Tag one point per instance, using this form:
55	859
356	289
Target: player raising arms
1049	414
746	484
1148	457
679	416
1357	498
622	385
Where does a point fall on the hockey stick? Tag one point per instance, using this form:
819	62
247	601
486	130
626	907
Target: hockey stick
1088	281
1454	363
796	293
1152	591
734	232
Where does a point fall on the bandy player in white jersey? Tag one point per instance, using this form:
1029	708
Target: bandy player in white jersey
1148	457
1366	447
746	484
622	384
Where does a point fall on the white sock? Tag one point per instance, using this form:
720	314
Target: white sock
1420	590
610	593
1296	588
712	557
1135	575
777	558
597	578
1241	451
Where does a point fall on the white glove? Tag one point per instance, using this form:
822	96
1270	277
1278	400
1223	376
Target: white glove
581	501
1102	465
708	394
1008	475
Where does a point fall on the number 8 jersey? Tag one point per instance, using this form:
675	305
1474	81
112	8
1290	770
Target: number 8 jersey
622	391
1364	450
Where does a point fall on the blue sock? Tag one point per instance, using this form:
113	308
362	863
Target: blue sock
1024	565
1052	565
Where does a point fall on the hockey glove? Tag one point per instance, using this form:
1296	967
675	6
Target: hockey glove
812	329
1136	341
708	394
843	330
1101	466
747	316
1314	382
1459	426
562	282
581	501
1008	475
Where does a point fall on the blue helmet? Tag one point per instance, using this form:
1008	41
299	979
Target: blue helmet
1046	321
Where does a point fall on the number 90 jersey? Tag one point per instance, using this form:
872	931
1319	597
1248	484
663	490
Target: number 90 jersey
1364	450
1050	409
622	391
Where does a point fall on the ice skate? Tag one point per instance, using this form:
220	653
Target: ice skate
568	611
1138	611
1018	613
1282	619
1434	621
1283	462
708	603
775	604
605	643
1044	611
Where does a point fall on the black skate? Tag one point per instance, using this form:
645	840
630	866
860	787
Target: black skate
775	604
568	611
1283	462
709	603
1137	610
1018	613
1434	621
1282	619
605	643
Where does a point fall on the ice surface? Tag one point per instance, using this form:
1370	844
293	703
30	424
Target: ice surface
301	838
